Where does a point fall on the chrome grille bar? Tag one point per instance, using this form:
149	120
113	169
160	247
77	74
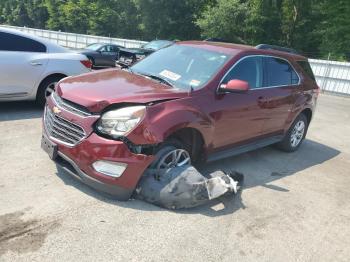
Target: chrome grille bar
62	130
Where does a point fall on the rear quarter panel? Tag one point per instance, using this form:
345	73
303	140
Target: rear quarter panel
67	64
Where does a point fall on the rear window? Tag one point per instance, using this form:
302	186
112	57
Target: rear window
10	42
280	73
307	69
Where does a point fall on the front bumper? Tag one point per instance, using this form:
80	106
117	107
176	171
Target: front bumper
78	160
66	164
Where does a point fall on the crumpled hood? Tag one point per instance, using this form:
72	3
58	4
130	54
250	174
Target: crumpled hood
99	89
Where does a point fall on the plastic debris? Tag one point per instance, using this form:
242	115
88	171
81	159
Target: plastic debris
186	187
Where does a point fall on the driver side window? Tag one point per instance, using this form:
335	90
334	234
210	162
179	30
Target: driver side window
249	69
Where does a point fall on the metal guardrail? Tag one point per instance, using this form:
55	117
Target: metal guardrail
331	76
76	41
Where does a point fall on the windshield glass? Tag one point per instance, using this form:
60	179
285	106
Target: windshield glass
158	44
94	47
182	66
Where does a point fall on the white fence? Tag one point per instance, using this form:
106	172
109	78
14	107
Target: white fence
331	76
76	41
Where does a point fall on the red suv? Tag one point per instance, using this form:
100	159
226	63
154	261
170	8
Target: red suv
188	102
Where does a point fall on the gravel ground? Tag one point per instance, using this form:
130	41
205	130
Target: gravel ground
294	207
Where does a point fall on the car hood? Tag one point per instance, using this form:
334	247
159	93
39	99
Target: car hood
97	90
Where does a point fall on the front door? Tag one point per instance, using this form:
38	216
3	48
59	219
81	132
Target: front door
239	116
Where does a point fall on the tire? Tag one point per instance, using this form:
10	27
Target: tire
295	135
166	152
46	88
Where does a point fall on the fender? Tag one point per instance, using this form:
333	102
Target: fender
305	101
164	119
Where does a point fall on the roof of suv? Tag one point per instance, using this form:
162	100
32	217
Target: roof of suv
235	49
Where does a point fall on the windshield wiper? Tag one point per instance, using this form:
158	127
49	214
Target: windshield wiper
161	79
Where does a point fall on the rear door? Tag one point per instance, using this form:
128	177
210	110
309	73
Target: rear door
109	55
281	86
21	65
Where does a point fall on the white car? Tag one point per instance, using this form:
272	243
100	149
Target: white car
31	66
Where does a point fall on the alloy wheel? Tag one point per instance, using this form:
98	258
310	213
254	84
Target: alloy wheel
297	133
175	158
50	89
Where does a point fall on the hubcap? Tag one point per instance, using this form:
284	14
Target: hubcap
50	89
175	158
297	133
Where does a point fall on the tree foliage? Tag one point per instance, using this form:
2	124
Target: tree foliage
316	27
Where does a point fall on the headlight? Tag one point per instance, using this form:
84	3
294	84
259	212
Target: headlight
121	121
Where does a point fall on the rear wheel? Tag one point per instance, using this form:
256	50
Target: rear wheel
46	88
295	135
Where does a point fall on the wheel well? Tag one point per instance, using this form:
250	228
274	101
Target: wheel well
53	75
192	139
308	113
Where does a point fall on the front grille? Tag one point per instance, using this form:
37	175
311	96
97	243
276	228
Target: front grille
62	130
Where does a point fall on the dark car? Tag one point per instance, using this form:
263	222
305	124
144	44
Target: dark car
187	102
129	56
102	55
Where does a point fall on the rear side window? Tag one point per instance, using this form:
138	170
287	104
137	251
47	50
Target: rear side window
10	42
279	73
249	69
307	69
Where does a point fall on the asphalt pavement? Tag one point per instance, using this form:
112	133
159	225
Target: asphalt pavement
293	207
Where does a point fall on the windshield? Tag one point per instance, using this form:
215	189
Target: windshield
183	66
94	47
158	44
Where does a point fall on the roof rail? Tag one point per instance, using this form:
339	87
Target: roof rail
278	48
214	39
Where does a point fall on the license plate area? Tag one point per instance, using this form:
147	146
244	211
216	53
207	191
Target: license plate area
49	147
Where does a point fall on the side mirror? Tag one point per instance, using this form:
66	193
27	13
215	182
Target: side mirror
234	86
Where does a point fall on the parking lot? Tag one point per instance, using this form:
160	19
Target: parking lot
294	207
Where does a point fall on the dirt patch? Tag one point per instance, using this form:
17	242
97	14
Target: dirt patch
21	236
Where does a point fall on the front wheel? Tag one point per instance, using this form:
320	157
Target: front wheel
295	135
169	155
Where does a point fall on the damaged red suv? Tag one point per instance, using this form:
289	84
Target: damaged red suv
188	102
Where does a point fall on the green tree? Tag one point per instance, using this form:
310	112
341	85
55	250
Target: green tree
171	19
335	28
226	20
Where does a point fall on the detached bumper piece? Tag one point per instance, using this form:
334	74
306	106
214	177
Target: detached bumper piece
186	187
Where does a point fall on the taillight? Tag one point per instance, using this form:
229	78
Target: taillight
86	63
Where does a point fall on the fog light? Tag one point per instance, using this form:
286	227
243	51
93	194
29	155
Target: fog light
108	168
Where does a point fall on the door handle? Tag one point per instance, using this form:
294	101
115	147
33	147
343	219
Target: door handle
33	63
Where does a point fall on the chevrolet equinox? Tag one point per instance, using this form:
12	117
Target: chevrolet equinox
188	102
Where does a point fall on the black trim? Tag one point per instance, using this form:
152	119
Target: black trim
277	48
244	148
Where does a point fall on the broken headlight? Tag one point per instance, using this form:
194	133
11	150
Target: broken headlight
121	121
